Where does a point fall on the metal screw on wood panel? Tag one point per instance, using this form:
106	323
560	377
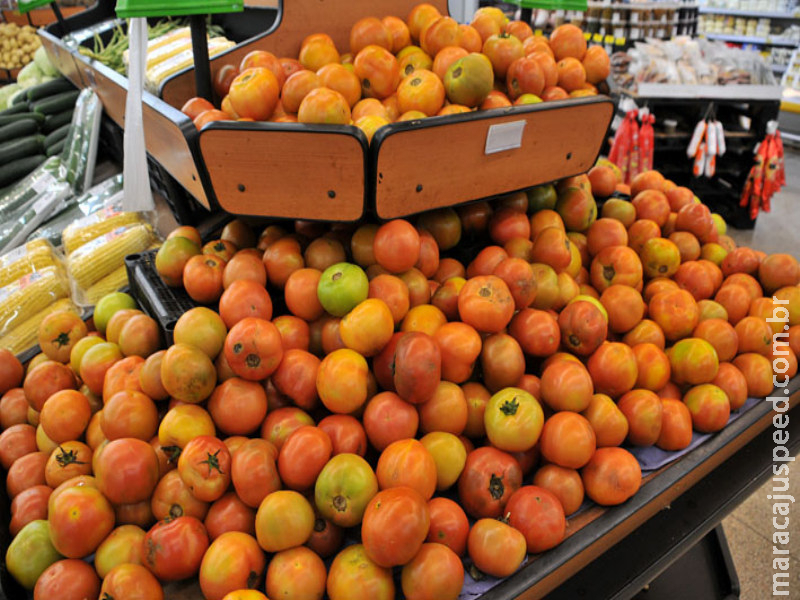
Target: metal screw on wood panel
419	188
331	194
240	187
569	155
194	178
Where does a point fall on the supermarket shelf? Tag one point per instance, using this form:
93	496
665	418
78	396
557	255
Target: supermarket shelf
778	68
756	14
749	39
641	5
710	92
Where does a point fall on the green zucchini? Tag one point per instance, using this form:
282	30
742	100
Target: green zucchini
18	129
56	104
14	110
19	168
19	98
53	122
57	135
5	120
21	148
57	148
49	88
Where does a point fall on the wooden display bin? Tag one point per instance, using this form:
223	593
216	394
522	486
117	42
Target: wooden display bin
331	172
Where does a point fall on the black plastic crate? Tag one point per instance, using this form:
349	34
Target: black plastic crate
163	303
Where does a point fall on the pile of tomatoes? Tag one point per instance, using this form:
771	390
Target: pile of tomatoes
438	392
428	65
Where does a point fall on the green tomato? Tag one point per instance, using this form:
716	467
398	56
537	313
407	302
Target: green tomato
513	420
341	287
542	197
108	305
343	489
30	553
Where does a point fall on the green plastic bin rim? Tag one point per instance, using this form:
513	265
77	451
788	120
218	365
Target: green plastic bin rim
28	5
170	8
580	5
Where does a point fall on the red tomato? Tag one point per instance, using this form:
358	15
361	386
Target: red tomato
29	505
489	478
238	407
539	516
172	498
327	538
253	471
80	519
449	525
205	467
302	457
417	367
254	93
232	562
395	525
229	513
126	470
296	377
296	573
388	418
407	463
253	348
496	548
174	549
282	422
346	433
69	579
132	582
485	302
435	572
223	77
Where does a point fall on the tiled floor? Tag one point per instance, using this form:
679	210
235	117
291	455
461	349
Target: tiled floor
749	528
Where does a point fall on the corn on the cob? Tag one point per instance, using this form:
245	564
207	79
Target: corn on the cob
16	265
93	261
116	280
92	227
180	61
24	335
29	296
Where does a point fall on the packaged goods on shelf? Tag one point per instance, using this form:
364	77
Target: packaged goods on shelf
33	256
88	228
684	61
183	59
24	336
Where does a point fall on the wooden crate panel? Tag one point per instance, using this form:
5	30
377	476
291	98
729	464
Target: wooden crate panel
424	167
284	173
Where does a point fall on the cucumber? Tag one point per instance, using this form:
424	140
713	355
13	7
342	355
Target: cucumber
56	104
57	148
57	135
18	169
5	120
14	110
53	122
21	148
18	129
50	88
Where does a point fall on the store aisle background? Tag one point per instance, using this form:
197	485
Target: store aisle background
749	528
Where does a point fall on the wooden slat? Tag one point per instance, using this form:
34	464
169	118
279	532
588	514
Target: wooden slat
430	167
290	174
299	19
164	138
40	16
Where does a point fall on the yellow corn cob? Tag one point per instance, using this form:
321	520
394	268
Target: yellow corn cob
24	336
74	237
180	61
33	260
157	56
29	296
117	279
101	256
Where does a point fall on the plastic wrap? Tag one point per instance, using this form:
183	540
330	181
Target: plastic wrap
30	295
80	147
90	227
33	256
17	227
24	336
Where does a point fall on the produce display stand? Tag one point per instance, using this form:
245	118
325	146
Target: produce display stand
330	172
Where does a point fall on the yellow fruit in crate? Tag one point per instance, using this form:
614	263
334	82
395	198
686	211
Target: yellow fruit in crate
370	124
